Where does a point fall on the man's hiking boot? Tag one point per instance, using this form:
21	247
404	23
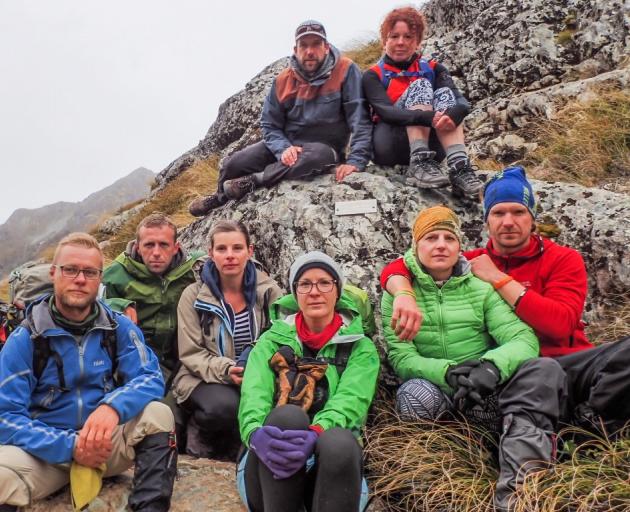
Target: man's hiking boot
239	187
204	205
464	180
426	170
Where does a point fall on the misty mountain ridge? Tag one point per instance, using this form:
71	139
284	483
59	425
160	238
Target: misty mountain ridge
28	231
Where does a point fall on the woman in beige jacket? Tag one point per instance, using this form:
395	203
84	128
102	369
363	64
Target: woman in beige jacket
219	317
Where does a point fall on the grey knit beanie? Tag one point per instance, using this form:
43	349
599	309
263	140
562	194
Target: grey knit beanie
315	259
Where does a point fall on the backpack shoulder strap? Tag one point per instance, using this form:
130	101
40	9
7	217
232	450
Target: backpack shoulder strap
342	356
426	69
42	353
109	342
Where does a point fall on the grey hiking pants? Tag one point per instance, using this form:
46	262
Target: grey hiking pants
600	378
529	405
316	158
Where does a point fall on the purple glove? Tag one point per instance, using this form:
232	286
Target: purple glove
283	452
278	454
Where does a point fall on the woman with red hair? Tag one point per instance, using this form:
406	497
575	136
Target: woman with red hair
418	110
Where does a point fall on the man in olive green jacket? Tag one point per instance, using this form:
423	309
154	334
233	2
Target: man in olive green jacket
146	281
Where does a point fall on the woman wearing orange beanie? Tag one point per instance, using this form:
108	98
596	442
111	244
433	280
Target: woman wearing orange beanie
472	353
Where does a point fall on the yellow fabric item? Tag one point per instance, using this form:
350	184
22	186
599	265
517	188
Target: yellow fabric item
434	218
85	484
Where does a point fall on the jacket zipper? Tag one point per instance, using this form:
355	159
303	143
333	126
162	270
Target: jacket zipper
81	348
441	320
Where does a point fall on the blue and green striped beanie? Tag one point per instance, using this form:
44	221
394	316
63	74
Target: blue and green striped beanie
509	186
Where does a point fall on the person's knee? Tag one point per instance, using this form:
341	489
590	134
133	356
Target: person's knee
318	154
217	418
288	417
443	98
419	94
13	489
419	399
339	449
543	371
156	417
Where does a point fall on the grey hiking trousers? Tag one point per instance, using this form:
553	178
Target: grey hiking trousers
316	158
529	405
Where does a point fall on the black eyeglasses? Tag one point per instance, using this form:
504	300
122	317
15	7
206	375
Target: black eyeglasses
71	272
323	285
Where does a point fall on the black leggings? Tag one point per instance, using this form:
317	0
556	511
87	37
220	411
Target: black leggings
333	484
215	409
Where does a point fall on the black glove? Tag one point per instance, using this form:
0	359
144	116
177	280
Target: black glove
453	375
481	381
460	370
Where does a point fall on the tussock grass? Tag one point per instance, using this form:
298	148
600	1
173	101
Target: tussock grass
587	143
614	323
426	466
364	53
429	467
199	179
4	290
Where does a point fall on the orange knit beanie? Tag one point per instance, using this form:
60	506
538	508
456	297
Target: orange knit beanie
434	218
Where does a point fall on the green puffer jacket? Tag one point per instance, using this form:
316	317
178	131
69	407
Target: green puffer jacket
130	283
465	319
349	397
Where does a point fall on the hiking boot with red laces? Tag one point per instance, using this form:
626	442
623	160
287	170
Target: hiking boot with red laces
239	187
464	179
204	205
426	170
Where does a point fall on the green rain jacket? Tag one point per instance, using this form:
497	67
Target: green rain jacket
349	397
130	283
464	319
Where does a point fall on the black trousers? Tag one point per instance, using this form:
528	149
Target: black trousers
391	145
332	485
600	376
215	409
316	158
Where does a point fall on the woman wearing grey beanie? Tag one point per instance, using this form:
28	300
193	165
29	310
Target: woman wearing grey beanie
308	384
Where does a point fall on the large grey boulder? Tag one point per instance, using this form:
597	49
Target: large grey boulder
299	216
516	61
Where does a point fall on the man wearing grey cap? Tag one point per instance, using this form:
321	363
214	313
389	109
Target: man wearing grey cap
314	107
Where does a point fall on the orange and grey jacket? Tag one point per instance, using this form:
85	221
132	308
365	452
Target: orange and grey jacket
327	107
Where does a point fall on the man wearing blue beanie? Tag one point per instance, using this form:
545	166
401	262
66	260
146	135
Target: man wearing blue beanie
546	284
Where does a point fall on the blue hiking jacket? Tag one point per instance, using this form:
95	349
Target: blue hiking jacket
40	418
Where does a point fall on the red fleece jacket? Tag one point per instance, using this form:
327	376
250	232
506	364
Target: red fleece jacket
556	279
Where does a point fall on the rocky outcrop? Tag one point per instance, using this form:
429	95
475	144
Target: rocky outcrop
28	231
300	216
516	61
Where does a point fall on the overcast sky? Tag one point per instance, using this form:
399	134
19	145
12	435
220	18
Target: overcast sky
91	90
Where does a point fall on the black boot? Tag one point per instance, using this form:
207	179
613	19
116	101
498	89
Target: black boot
156	468
8	508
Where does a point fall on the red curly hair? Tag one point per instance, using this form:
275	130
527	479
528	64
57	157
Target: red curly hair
414	19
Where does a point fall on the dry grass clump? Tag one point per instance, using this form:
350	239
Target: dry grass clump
4	290
365	53
425	466
596	478
199	179
587	143
614	323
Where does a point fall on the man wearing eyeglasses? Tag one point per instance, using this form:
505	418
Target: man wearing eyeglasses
313	109
79	395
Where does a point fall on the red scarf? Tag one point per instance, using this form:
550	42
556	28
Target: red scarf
316	340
